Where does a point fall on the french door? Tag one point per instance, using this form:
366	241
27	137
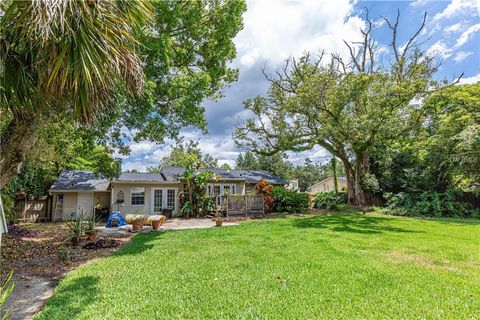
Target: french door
163	198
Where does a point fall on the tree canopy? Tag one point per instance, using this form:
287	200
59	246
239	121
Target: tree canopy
347	106
141	65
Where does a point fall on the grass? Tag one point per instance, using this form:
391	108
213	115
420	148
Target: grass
340	266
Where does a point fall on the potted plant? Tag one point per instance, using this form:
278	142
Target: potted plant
90	229
76	226
157	221
218	218
138	221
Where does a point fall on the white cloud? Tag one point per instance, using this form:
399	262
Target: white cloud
459	7
453	28
418	3
465	36
275	30
469	80
441	49
462	55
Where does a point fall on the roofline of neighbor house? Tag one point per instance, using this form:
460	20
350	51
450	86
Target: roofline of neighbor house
313	185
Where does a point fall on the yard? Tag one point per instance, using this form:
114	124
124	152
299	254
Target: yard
330	266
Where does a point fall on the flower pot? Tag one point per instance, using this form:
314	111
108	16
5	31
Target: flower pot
218	222
156	224
137	225
92	235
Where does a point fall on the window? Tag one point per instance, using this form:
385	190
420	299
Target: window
226	189
157	200
216	190
171	198
233	189
138	196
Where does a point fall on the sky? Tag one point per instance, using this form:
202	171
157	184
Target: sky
276	30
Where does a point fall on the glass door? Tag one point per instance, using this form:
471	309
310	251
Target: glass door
157	200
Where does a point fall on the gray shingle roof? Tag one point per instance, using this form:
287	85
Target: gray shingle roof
79	180
243	175
145	177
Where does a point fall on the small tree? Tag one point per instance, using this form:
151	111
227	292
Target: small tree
198	202
266	189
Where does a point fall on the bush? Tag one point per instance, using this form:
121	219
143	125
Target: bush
289	201
330	200
429	204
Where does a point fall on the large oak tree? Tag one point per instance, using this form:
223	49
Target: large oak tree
347	106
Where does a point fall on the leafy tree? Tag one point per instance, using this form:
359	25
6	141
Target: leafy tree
246	161
345	106
63	57
225	166
308	173
185	46
276	164
443	155
197	202
184	154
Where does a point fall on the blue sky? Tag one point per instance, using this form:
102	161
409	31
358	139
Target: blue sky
276	30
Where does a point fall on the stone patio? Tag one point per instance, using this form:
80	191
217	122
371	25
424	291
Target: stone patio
170	224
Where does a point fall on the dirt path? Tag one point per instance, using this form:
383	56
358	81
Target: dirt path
40	255
28	296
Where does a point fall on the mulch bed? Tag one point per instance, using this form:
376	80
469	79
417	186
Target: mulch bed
45	250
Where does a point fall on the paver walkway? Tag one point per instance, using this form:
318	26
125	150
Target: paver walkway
170	224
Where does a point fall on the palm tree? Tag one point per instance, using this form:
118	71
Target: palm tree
69	56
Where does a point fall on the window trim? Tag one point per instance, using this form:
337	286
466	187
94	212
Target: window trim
131	197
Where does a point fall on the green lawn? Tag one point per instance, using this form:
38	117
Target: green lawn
342	266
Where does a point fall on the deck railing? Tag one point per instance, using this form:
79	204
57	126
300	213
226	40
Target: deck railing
238	204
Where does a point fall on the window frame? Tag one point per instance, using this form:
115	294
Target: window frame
134	193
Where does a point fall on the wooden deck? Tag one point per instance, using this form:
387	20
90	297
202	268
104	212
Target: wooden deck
235	205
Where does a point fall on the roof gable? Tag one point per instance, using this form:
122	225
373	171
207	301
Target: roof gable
80	180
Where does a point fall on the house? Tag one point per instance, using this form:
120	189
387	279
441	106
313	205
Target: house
79	192
328	185
293	184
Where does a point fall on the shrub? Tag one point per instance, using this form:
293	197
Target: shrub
289	201
429	204
264	188
330	200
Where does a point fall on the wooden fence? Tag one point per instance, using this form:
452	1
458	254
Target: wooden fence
33	210
242	205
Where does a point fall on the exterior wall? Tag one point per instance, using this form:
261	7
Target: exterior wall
328	185
69	204
147	207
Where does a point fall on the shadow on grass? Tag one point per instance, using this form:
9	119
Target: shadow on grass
70	300
141	242
359	224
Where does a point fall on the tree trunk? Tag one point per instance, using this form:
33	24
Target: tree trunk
16	141
334	167
360	197
356	194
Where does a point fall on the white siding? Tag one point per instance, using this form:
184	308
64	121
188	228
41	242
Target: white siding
147	207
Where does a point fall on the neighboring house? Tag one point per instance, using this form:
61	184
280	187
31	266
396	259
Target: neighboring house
293	184
77	191
328	184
